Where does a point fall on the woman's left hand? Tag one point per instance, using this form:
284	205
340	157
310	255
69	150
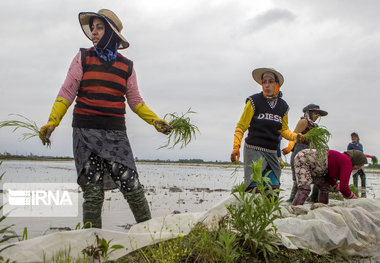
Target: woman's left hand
163	126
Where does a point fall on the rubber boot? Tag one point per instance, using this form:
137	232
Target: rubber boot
323	193
93	196
302	193
293	192
356	179
314	194
139	205
363	183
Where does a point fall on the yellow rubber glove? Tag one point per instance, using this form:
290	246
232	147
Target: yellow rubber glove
282	164
57	112
150	117
235	155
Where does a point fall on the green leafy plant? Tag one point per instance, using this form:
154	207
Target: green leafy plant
318	139
227	246
6	233
183	130
253	215
101	249
32	129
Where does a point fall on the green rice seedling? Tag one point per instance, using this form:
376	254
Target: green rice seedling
374	160
318	139
183	130
25	123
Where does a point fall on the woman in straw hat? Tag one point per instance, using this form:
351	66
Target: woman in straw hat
100	79
334	166
265	116
312	113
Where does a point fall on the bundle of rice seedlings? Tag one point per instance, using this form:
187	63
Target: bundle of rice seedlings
25	123
183	130
318	139
374	160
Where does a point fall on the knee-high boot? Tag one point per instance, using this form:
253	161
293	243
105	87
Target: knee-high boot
302	193
138	204
293	192
93	196
314	194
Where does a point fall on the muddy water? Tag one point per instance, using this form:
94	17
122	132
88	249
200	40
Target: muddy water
170	188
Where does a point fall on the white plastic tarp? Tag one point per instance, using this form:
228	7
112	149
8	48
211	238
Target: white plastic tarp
352	227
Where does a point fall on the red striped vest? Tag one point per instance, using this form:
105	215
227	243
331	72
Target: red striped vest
100	102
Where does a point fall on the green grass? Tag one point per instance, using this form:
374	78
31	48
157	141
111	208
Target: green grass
32	130
183	130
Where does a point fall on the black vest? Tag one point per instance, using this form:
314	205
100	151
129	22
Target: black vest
266	123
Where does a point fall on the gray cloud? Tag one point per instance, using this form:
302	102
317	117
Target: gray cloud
201	55
268	18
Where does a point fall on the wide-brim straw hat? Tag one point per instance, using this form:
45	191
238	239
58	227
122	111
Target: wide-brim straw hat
107	15
257	75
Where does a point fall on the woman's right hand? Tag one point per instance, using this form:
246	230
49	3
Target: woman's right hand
235	155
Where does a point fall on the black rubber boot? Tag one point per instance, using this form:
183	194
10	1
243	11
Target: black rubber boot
314	194
93	196
293	192
139	205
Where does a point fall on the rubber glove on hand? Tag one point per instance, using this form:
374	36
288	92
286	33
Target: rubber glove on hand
150	117
59	110
282	164
163	126
300	138
235	155
286	150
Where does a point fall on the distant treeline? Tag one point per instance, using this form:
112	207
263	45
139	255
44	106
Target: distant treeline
182	161
8	156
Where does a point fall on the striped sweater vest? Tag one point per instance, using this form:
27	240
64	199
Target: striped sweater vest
266	123
100	102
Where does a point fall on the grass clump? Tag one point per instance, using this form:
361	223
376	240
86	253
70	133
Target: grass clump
32	129
318	139
183	130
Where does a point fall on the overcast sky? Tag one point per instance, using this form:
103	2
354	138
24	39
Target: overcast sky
200	54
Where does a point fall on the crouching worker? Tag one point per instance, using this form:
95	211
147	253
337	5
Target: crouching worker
323	172
265	116
101	79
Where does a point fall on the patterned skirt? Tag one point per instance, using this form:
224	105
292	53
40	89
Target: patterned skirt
111	145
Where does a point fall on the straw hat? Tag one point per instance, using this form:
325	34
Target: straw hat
316	108
112	20
258	73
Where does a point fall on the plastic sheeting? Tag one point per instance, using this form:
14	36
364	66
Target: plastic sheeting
351	227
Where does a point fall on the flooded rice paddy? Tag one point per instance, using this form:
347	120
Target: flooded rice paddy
170	188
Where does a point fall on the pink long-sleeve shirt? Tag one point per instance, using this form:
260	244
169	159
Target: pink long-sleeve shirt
74	76
340	168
